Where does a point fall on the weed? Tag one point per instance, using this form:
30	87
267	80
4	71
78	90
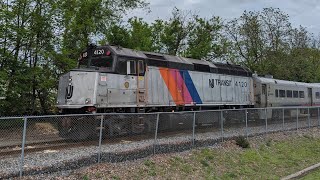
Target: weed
269	142
98	175
229	175
85	177
115	177
186	168
308	136
207	153
149	163
242	142
151	167
204	163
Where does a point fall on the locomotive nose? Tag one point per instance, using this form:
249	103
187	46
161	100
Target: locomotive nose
69	89
77	89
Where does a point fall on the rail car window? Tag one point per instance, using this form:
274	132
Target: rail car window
289	94
295	94
301	94
282	93
317	95
264	88
277	93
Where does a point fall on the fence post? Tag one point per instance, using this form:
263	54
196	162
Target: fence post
246	111
100	139
309	117
318	117
155	135
23	145
297	118
266	118
193	128
221	124
282	119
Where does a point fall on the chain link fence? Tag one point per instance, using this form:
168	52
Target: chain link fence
39	144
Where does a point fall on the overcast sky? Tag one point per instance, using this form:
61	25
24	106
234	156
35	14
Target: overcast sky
301	12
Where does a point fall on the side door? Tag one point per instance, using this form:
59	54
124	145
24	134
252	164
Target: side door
138	68
310	98
264	95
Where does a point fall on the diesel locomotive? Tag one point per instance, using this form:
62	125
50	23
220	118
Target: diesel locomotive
116	79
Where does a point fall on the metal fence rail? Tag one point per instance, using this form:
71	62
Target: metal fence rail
43	143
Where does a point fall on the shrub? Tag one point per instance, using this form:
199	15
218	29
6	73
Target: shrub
242	142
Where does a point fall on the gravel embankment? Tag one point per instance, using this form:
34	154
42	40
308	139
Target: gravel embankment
68	159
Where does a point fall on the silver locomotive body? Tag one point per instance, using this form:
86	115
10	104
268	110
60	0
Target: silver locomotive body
138	81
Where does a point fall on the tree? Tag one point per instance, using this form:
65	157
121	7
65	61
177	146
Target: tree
175	32
41	39
248	43
205	39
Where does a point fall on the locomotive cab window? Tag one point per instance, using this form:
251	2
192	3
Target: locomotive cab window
100	59
295	94
134	67
102	62
277	93
317	95
131	67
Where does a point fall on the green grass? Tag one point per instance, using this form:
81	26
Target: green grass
270	160
151	167
265	159
313	175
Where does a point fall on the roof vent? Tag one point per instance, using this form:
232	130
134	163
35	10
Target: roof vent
154	56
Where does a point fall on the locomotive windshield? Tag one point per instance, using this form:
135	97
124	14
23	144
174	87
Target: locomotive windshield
101	59
102	62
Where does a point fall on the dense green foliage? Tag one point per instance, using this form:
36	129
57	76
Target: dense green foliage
41	39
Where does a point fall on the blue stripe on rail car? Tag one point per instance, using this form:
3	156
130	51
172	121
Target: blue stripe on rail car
190	85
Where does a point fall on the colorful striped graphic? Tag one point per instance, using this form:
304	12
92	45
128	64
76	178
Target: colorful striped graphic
190	85
180	86
182	89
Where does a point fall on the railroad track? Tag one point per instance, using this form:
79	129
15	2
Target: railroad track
65	144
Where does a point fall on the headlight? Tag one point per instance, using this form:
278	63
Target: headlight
88	101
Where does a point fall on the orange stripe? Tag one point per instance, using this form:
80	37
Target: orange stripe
171	85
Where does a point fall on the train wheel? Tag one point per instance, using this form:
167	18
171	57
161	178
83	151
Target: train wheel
65	127
140	125
77	129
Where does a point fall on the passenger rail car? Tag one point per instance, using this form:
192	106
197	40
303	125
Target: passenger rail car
271	92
